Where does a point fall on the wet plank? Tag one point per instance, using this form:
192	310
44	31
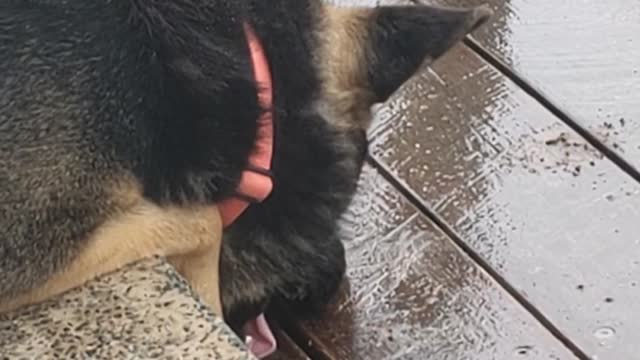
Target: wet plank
413	295
584	55
541	206
287	349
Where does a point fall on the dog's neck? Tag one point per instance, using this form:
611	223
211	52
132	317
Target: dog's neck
256	181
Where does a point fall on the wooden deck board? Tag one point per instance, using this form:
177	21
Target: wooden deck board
287	349
413	295
583	55
554	218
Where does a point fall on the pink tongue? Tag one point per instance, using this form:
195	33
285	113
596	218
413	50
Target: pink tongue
259	338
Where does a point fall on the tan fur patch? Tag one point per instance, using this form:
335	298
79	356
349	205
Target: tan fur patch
342	62
190	236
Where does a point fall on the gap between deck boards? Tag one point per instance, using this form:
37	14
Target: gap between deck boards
551	106
414	199
566	118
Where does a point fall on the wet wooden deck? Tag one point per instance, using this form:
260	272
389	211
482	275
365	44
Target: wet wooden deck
499	212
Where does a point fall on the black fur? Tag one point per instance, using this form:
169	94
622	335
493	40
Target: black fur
163	91
402	35
316	169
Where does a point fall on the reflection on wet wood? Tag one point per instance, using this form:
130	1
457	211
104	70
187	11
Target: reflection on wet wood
287	349
553	217
584	55
413	295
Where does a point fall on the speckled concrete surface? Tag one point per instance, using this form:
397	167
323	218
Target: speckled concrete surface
145	311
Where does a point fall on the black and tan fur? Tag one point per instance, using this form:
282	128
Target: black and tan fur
123	122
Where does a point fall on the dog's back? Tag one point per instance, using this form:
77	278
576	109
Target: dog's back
90	113
58	148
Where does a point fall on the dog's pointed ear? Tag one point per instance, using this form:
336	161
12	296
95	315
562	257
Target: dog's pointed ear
376	50
401	38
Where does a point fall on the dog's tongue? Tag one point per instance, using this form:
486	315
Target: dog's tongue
259	338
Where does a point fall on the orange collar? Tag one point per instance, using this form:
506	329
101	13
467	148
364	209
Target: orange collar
256	182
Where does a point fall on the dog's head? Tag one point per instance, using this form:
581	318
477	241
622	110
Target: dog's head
368	53
361	56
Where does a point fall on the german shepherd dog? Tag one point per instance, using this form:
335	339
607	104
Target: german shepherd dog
124	122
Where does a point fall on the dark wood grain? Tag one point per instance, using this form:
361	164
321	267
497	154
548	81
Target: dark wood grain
584	55
413	295
542	207
287	349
